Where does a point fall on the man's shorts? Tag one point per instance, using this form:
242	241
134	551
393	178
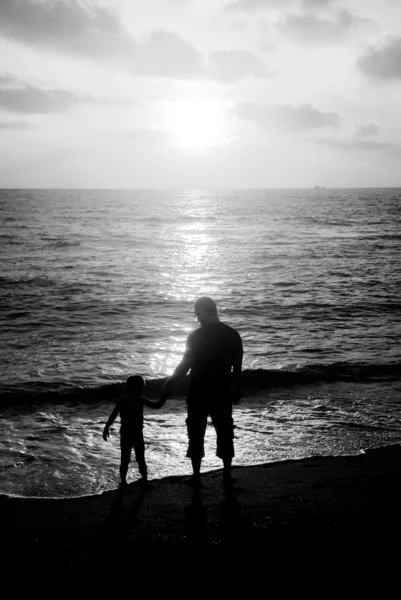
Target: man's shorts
132	440
223	423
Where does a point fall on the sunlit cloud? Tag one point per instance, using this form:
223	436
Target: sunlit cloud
166	54
285	118
383	61
19	97
235	65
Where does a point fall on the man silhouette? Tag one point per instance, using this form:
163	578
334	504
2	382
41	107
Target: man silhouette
213	355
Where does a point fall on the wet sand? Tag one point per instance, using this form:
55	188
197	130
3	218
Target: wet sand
317	515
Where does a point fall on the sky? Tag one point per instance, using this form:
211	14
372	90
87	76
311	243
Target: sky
200	93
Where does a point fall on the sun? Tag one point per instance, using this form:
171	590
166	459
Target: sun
197	123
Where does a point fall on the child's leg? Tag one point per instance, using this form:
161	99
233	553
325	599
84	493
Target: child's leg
143	469
139	448
126	446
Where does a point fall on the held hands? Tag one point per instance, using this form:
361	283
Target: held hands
160	402
106	433
165	393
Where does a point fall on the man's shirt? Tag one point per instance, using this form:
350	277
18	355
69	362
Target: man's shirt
212	350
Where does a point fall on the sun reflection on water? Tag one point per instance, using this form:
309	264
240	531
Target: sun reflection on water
196	247
192	267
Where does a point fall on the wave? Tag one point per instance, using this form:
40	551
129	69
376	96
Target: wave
253	380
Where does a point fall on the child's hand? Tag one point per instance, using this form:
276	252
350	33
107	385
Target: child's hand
106	433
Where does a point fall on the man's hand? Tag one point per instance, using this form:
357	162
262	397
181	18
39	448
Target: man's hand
235	395
106	433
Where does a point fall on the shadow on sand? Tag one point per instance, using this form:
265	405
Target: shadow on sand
224	537
120	520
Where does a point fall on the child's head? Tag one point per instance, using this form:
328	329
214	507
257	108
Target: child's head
135	384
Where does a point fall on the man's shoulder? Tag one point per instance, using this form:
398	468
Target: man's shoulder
193	336
226	334
228	327
219	329
230	330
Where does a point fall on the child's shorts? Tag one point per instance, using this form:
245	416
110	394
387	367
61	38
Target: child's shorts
132	441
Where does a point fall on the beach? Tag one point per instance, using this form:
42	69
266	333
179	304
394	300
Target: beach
337	511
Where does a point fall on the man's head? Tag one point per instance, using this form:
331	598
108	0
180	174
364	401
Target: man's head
206	310
135	384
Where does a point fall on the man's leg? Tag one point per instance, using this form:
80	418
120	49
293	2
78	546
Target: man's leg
227	467
196	466
196	428
224	425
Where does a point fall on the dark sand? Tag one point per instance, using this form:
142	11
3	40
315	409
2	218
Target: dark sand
323	517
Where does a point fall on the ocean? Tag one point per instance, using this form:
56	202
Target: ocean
100	284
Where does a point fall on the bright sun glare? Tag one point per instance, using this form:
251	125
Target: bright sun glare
197	123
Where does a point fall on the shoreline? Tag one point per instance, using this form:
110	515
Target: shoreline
134	486
336	508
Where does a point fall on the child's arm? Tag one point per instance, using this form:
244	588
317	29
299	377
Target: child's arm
110	421
151	403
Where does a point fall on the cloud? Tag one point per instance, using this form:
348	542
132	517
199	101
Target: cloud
290	119
80	28
318	3
19	97
232	66
311	29
16	126
87	30
368	129
358	144
166	54
383	62
83	29
243	5
239	5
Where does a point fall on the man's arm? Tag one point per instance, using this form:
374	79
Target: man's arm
237	366
110	421
180	372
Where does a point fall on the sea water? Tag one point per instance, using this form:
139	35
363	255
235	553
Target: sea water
97	285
